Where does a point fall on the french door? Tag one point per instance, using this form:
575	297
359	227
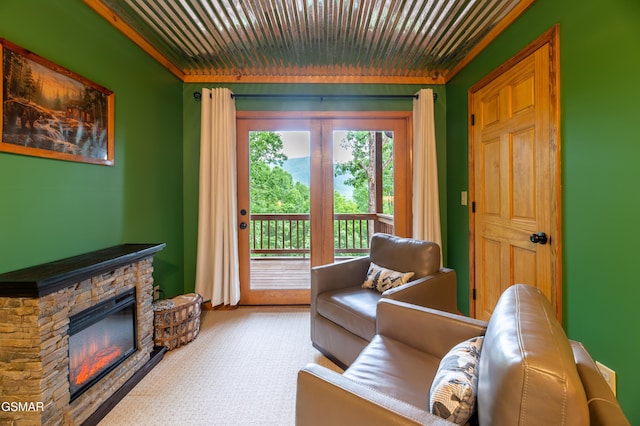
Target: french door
312	188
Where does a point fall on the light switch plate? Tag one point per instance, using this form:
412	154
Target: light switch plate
463	198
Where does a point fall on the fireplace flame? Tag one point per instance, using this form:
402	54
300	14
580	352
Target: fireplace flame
93	362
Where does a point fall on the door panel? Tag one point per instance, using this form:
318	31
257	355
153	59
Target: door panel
490	173
491	270
274	246
279	221
523	97
513	181
524	265
366	156
523	183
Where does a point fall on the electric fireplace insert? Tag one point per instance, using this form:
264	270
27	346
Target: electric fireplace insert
100	338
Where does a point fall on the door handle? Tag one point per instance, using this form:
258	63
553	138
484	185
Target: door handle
539	238
243	225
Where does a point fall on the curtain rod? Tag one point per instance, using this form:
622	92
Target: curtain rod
198	96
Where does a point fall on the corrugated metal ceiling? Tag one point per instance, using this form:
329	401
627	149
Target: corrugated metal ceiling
316	38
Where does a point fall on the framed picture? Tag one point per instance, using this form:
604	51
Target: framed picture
50	111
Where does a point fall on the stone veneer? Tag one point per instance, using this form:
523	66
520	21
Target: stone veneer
34	347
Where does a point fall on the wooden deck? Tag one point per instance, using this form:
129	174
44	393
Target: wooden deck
282	273
285	274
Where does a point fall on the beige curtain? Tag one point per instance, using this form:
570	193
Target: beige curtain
426	206
217	277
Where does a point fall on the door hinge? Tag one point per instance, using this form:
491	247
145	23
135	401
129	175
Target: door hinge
473	207
473	119
473	294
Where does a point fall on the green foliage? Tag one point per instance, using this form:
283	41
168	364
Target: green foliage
343	205
359	144
272	189
361	198
266	148
362	169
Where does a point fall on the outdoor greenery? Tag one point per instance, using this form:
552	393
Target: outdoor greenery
363	171
273	190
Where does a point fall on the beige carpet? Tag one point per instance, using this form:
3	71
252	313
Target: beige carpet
240	370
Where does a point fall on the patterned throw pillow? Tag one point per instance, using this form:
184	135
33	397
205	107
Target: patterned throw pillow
383	279
454	388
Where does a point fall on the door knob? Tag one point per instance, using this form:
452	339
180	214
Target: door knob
243	212
243	225
539	238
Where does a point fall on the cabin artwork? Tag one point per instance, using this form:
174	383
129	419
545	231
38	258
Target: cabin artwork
45	111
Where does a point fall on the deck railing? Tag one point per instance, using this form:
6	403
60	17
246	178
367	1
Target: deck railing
276	234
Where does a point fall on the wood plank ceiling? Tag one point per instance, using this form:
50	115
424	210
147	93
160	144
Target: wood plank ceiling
387	41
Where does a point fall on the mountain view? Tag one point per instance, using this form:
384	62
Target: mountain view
299	170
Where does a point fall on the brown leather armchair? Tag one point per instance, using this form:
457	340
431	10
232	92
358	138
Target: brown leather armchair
529	373
343	314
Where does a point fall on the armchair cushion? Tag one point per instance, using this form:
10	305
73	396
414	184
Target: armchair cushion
395	369
455	387
383	279
354	309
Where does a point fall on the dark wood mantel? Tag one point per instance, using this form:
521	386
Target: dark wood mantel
40	280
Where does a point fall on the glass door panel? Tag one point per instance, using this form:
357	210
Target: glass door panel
363	189
279	201
275	175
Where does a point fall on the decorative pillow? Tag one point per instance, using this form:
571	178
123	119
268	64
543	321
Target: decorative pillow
454	388
383	279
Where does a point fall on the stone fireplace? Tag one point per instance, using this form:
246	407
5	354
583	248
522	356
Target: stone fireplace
45	314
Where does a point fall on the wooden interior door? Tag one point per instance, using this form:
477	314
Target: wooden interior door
515	181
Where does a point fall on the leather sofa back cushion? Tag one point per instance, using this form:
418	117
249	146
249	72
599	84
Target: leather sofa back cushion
405	255
527	371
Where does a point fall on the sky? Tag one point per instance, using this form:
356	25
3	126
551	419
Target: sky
296	144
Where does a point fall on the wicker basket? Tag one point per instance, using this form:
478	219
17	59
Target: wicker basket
176	321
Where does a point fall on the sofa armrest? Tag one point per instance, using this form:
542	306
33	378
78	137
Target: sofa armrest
436	291
338	275
603	405
429	330
325	397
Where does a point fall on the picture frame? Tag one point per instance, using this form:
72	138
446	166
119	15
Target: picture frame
49	111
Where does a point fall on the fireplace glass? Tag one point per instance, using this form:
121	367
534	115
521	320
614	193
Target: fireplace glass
100	338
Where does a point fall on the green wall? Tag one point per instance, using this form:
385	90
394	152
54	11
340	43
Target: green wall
600	65
191	130
51	209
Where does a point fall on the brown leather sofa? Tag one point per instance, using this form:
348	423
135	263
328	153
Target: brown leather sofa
529	373
343	314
